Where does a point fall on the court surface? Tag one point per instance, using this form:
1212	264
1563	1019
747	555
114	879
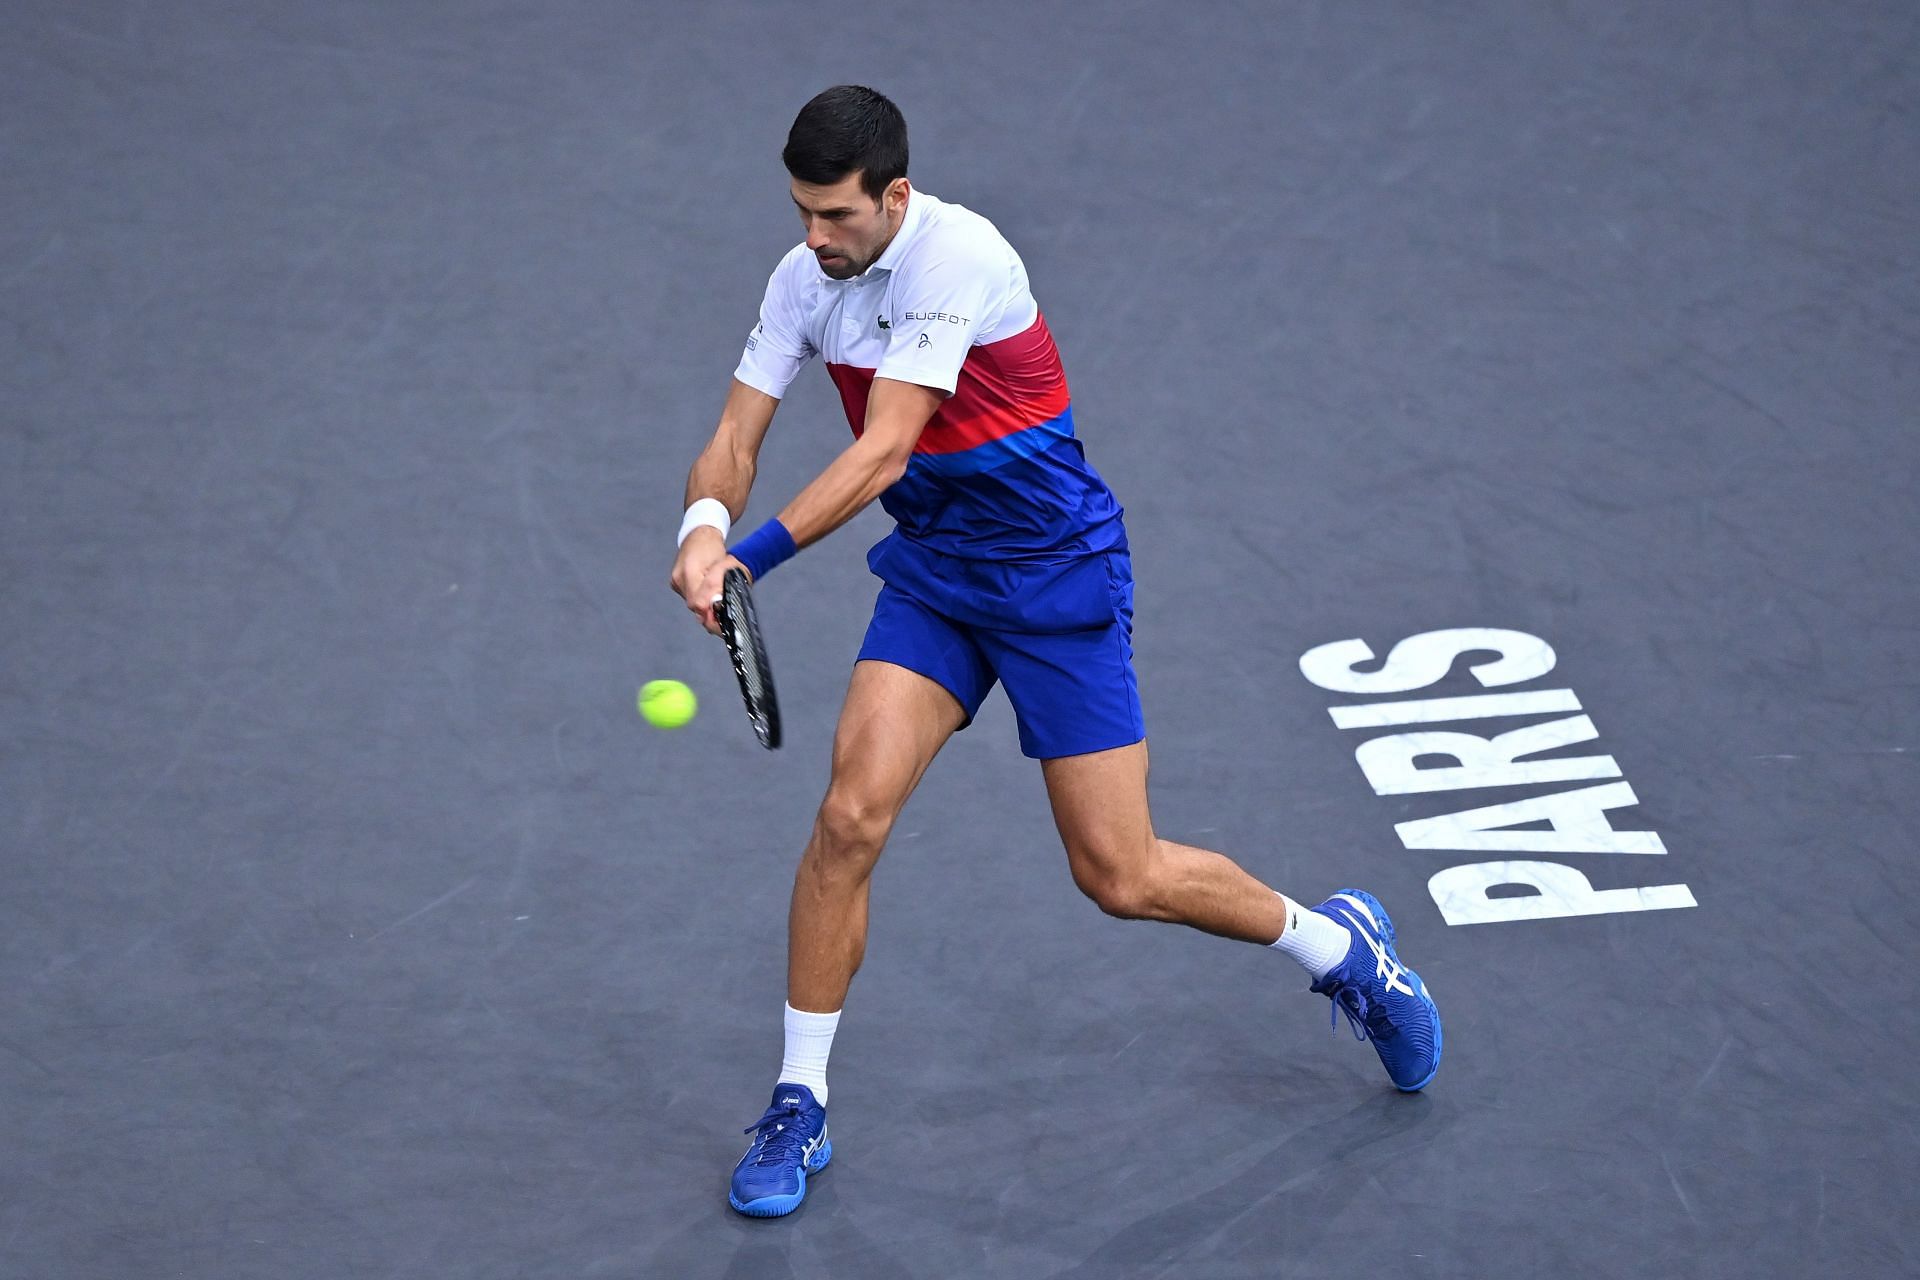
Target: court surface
355	925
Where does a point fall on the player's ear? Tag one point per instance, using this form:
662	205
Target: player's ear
894	198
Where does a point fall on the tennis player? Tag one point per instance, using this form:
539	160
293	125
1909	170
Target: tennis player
1008	563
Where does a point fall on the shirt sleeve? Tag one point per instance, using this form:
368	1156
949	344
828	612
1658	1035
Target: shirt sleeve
939	310
777	348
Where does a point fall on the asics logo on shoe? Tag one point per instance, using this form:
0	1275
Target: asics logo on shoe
813	1145
1384	965
789	1102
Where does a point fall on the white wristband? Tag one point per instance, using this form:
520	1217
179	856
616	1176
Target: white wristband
706	511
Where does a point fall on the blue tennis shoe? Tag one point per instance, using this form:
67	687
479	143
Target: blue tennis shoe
1384	1001
789	1142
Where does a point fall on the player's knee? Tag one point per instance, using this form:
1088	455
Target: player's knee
1124	895
850	830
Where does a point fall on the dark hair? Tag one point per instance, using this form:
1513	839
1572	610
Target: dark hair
849	127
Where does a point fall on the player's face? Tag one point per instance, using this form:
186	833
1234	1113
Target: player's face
846	228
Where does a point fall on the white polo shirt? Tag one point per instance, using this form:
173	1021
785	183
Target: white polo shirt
947	283
996	472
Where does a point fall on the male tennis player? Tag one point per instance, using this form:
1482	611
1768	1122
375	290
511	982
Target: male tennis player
1008	563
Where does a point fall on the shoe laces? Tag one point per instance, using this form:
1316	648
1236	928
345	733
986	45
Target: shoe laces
780	1138
1368	1020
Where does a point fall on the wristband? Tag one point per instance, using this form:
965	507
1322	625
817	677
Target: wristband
706	511
765	548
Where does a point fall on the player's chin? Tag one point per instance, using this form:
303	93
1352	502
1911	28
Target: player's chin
837	267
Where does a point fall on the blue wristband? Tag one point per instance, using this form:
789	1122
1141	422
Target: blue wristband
764	548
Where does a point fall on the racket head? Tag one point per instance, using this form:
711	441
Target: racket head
740	628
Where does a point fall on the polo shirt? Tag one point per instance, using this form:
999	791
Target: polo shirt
998	473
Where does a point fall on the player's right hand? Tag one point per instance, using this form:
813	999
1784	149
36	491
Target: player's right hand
698	572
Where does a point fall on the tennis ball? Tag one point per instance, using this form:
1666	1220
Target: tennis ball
667	704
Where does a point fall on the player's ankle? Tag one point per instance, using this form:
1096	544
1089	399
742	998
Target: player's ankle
809	1040
1318	944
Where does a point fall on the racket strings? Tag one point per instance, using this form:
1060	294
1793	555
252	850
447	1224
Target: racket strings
743	644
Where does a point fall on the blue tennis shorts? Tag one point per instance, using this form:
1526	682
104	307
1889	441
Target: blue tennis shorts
1059	637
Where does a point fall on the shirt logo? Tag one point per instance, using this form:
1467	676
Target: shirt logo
924	342
883	322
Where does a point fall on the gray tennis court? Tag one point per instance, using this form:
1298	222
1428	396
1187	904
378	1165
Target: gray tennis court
356	926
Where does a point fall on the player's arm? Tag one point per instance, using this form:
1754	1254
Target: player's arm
725	468
723	473
896	414
722	476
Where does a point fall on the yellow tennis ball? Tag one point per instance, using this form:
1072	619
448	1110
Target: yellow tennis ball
667	704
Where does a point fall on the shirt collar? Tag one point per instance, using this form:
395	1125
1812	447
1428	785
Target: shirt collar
916	213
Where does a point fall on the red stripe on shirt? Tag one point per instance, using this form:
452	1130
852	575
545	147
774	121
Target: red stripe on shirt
1003	387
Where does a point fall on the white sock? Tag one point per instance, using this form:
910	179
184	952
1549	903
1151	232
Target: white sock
809	1041
1312	939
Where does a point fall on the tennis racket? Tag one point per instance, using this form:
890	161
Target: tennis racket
740	628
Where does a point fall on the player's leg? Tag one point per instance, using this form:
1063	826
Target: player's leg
1346	943
1100	807
893	724
1078	706
917	681
1076	700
